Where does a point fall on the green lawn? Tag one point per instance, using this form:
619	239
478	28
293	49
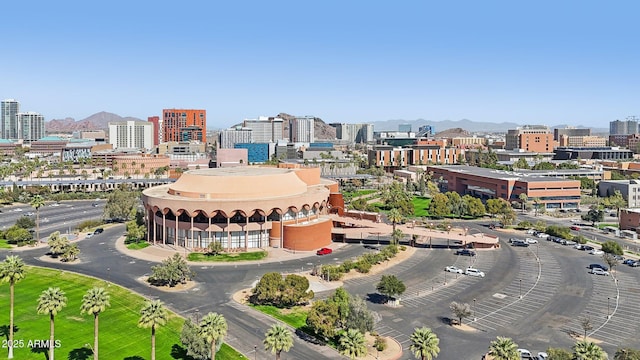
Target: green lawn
421	206
603	225
120	337
4	245
137	245
296	317
243	256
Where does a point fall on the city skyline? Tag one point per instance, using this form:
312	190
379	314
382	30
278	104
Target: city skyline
355	62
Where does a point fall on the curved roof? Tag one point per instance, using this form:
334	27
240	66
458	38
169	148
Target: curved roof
238	183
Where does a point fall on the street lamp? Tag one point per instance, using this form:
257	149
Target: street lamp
520	288
445	276
255	352
197	316
608	310
474	310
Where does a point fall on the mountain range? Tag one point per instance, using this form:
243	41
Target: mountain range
100	121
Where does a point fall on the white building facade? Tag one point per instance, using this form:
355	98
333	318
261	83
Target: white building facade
131	134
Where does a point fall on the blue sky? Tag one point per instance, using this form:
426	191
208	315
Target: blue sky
543	62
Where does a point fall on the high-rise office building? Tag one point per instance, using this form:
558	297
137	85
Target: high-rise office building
9	109
31	126
624	127
184	125
534	138
354	133
131	134
570	131
230	137
157	129
265	129
302	129
426	131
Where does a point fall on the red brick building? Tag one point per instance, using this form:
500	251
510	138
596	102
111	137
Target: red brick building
182	125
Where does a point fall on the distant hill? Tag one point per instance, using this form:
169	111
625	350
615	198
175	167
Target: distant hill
98	121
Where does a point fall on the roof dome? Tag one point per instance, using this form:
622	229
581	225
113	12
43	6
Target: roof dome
238	183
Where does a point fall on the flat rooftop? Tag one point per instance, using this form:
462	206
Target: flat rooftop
520	175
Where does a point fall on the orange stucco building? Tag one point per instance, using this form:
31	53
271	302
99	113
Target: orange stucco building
243	208
184	125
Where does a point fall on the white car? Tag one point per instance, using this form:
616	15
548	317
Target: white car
453	269
531	231
542	355
530	241
525	354
596	252
474	272
598	271
89	235
18	210
542	235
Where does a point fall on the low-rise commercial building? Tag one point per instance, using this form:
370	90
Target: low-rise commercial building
629	189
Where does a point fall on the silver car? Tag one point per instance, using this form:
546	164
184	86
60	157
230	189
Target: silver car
474	272
598	271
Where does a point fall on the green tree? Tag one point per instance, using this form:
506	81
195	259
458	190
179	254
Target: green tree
627	354
545	165
455	205
135	232
524	199
153	315
504	349
359	316
612	247
610	260
195	344
172	271
70	253
341	299
213	328
215	248
494	206
390	286
17	235
521	164
424	344
51	302
278	339
94	302
474	206
587	350
120	203
460	310
273	289
58	244
323	318
395	217
352	344
559	354
594	215
37	202
395	197
438	207
11	271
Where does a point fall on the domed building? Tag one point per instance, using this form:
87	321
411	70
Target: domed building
243	208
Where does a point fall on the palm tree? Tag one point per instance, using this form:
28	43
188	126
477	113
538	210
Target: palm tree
395	217
95	301
37	202
213	327
11	271
504	348
424	344
352	344
278	339
51	301
586	350
152	315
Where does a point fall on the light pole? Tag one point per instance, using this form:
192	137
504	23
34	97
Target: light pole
255	352
108	276
520	288
474	309
445	276
197	316
608	309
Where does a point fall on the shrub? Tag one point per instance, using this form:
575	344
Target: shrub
363	266
612	247
87	224
403	248
347	265
580	239
523	225
559	231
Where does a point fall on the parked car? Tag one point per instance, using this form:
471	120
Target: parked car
596	252
465	252
635	264
531	232
577	246
98	231
531	241
89	235
598	271
598	266
628	262
474	272
525	354
574	227
618	257
324	251
453	269
586	248
542	235
520	243
542	355
569	243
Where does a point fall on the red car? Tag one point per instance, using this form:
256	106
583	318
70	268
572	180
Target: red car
324	251
576	228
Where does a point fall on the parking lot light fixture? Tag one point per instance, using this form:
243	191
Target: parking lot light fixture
520	288
474	310
608	308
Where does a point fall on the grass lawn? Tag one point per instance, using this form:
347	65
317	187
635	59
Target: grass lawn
296	317
4	244
137	245
244	256
421	206
120	337
603	225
